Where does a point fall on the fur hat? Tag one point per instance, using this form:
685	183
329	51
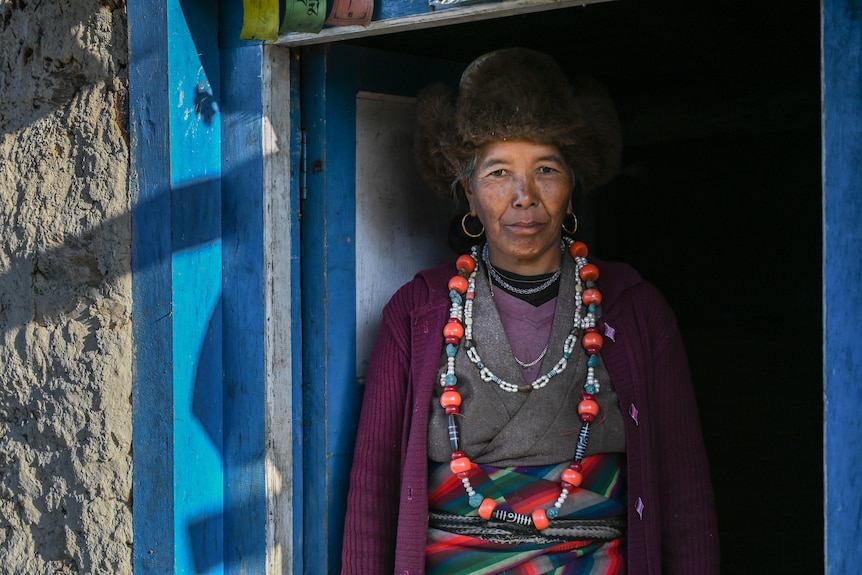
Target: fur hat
516	93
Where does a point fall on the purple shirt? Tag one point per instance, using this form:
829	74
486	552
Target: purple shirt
671	519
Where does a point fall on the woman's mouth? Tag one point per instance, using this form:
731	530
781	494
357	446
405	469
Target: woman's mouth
526	226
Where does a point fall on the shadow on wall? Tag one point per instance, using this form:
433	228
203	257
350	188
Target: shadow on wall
61	282
65	428
69	282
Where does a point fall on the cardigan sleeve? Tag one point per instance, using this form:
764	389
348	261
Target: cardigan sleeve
372	501
689	531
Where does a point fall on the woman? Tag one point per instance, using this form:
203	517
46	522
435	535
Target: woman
527	410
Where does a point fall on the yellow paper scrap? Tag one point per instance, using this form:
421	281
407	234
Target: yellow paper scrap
259	20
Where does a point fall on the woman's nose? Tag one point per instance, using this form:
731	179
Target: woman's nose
524	193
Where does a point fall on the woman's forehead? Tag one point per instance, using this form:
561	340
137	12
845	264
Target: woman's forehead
519	150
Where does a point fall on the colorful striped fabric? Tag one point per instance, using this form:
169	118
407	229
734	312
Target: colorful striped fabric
523	489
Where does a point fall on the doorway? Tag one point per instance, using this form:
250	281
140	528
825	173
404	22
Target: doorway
719	206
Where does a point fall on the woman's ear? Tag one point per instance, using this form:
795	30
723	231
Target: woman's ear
468	194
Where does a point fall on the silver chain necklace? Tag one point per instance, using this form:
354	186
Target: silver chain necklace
509	287
534	362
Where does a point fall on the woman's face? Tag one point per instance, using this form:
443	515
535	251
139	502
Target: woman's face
521	192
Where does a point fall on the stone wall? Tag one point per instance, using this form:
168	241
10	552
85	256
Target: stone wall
65	289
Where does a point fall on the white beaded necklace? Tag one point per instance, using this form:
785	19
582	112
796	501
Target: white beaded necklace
460	328
585	322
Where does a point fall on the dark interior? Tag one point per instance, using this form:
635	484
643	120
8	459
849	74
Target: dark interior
719	205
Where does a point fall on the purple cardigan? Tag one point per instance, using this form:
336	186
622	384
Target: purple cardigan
671	520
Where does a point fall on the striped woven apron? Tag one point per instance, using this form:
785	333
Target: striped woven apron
587	537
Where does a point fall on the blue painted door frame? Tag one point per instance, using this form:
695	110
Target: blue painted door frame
198	390
199	399
842	276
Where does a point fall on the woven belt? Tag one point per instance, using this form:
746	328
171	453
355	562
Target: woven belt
559	531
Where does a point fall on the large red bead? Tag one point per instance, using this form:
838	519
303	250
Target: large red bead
487	508
453	329
540	519
571	476
465	264
592	342
459	284
589	273
450	398
592	296
578	250
588	406
460	465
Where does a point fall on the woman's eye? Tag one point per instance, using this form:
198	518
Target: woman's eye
498	173
547	170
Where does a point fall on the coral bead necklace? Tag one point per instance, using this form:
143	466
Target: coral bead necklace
459	330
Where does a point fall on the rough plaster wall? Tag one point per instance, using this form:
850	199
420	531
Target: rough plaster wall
65	289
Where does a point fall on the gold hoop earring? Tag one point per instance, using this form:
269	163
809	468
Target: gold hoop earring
574	228
467	232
